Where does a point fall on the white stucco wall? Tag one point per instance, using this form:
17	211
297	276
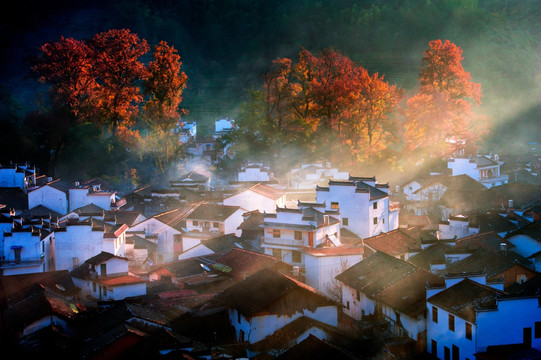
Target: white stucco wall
49	197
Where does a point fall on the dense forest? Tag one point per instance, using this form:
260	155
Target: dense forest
226	47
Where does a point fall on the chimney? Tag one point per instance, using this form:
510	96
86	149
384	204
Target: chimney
296	271
510	203
503	247
49	179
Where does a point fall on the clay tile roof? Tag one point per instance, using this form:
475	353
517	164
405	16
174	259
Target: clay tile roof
464	298
121	280
264	290
395	242
212	212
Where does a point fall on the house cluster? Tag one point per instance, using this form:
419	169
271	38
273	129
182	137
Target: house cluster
355	270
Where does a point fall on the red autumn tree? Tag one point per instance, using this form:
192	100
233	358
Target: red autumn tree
164	86
440	119
67	65
118	68
371	127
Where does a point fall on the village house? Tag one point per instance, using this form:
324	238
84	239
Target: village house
91	192
400	243
289	232
384	287
266	301
106	277
364	205
526	242
310	175
28	249
76	241
211	220
467	316
219	244
259	197
484	169
53	194
22	176
195	180
254	172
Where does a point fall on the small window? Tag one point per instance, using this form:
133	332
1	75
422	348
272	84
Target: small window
435	314
537	329
296	256
298	235
347	305
345	222
468	331
434	349
334	205
358	295
451	322
215	225
195	223
275	233
375	205
375	221
277	253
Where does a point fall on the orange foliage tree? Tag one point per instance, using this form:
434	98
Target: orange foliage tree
440	119
67	65
118	69
328	102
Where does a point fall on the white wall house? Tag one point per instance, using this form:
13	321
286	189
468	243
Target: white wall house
527	243
456	227
53	195
77	241
81	195
293	301
258	197
386	288
17	176
211	220
482	168
159	233
223	125
254	171
467	317
289	232
105	277
309	175
28	250
364	205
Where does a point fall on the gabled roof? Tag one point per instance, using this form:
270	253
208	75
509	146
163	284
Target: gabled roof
40	211
245	263
459	182
42	302
487	240
176	218
266	291
489	261
102	258
263	190
222	243
396	242
55	184
16	286
315	349
465	297
408	294
532	230
375	273
192	176
212	212
121	216
89	210
434	254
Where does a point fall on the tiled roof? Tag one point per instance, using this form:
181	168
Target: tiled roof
245	263
212	212
532	230
489	261
487	240
177	218
89	210
101	258
396	242
434	254
263	291
120	280
375	273
121	217
193	176
463	298
316	349
408	294
15	286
